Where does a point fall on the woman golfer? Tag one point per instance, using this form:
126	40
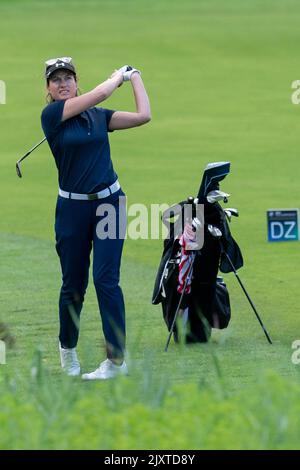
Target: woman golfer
77	133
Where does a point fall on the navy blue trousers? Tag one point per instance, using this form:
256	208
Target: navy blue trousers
77	228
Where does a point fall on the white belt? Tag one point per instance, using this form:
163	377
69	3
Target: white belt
91	197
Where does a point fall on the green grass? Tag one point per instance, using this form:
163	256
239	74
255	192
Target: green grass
143	414
219	78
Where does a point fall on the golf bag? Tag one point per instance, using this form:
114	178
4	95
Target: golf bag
207	304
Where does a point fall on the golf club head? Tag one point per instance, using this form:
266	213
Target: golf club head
231	212
213	174
215	196
18	164
214	231
234	212
18	170
196	224
228	215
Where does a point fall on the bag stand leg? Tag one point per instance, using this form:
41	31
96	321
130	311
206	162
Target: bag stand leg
247	295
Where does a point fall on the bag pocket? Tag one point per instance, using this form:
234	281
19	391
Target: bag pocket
221	313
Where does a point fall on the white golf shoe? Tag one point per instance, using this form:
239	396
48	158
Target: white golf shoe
69	361
106	370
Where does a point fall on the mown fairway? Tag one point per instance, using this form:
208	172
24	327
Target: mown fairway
219	79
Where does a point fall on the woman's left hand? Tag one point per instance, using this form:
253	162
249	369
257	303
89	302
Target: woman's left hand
118	75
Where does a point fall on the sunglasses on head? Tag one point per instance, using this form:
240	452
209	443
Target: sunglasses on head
50	62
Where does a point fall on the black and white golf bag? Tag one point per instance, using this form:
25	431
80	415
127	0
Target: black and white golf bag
207	304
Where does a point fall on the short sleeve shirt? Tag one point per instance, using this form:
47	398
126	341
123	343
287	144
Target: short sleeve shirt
80	147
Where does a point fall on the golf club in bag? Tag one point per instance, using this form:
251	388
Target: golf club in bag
18	164
202	300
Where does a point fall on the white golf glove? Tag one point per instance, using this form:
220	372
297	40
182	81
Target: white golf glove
123	69
127	71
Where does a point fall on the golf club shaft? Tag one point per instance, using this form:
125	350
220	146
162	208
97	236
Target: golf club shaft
250	301
32	149
178	307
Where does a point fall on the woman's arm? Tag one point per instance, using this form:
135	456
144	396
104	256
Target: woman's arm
78	104
125	120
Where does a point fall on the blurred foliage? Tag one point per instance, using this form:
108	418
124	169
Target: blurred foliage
187	416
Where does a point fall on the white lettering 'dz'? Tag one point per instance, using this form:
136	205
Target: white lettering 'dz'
291	226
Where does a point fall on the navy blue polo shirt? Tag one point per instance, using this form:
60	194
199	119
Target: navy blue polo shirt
80	147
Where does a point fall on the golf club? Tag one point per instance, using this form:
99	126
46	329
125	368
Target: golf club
215	196
18	166
216	233
231	212
213	174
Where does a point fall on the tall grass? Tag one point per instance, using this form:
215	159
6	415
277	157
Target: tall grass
143	412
